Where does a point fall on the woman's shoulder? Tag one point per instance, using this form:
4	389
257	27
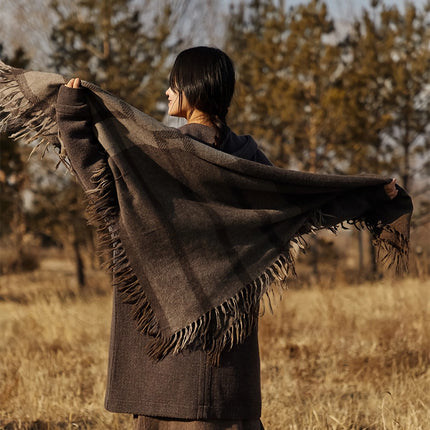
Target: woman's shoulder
244	146
199	132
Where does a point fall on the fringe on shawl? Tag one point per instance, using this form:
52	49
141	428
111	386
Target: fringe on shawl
393	251
102	213
20	118
231	322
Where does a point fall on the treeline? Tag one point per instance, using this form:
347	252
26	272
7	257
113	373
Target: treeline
318	94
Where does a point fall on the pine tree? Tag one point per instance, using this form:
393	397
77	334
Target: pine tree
388	107
407	38
103	41
13	182
255	40
13	175
313	64
386	111
287	70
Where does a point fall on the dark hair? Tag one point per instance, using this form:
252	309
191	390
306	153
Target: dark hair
206	77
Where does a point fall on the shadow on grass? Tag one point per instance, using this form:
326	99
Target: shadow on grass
42	425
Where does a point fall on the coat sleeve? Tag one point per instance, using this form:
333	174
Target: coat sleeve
85	153
356	204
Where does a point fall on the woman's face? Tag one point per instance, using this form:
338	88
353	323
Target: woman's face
176	108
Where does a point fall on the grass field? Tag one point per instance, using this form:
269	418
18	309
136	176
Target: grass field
348	357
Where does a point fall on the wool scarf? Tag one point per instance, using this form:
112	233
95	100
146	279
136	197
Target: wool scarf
197	237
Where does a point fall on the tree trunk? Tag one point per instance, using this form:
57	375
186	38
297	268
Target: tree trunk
360	253
374	274
80	273
80	270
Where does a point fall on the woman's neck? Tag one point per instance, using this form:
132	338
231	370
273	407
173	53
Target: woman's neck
198	117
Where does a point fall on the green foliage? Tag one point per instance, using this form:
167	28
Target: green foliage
103	41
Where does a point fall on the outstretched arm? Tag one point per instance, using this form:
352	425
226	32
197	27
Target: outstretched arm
76	132
353	205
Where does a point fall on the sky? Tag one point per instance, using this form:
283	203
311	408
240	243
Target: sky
342	8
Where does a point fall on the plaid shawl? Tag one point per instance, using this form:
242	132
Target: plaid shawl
200	236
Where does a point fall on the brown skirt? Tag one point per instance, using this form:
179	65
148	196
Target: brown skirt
150	423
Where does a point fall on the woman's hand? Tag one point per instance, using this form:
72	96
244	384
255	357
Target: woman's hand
391	190
74	83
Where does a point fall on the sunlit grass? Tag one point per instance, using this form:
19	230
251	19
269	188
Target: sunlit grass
348	358
340	358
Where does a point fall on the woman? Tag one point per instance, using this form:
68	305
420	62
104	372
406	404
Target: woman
185	388
184	391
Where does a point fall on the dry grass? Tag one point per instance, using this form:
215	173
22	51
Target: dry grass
341	358
349	358
53	354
